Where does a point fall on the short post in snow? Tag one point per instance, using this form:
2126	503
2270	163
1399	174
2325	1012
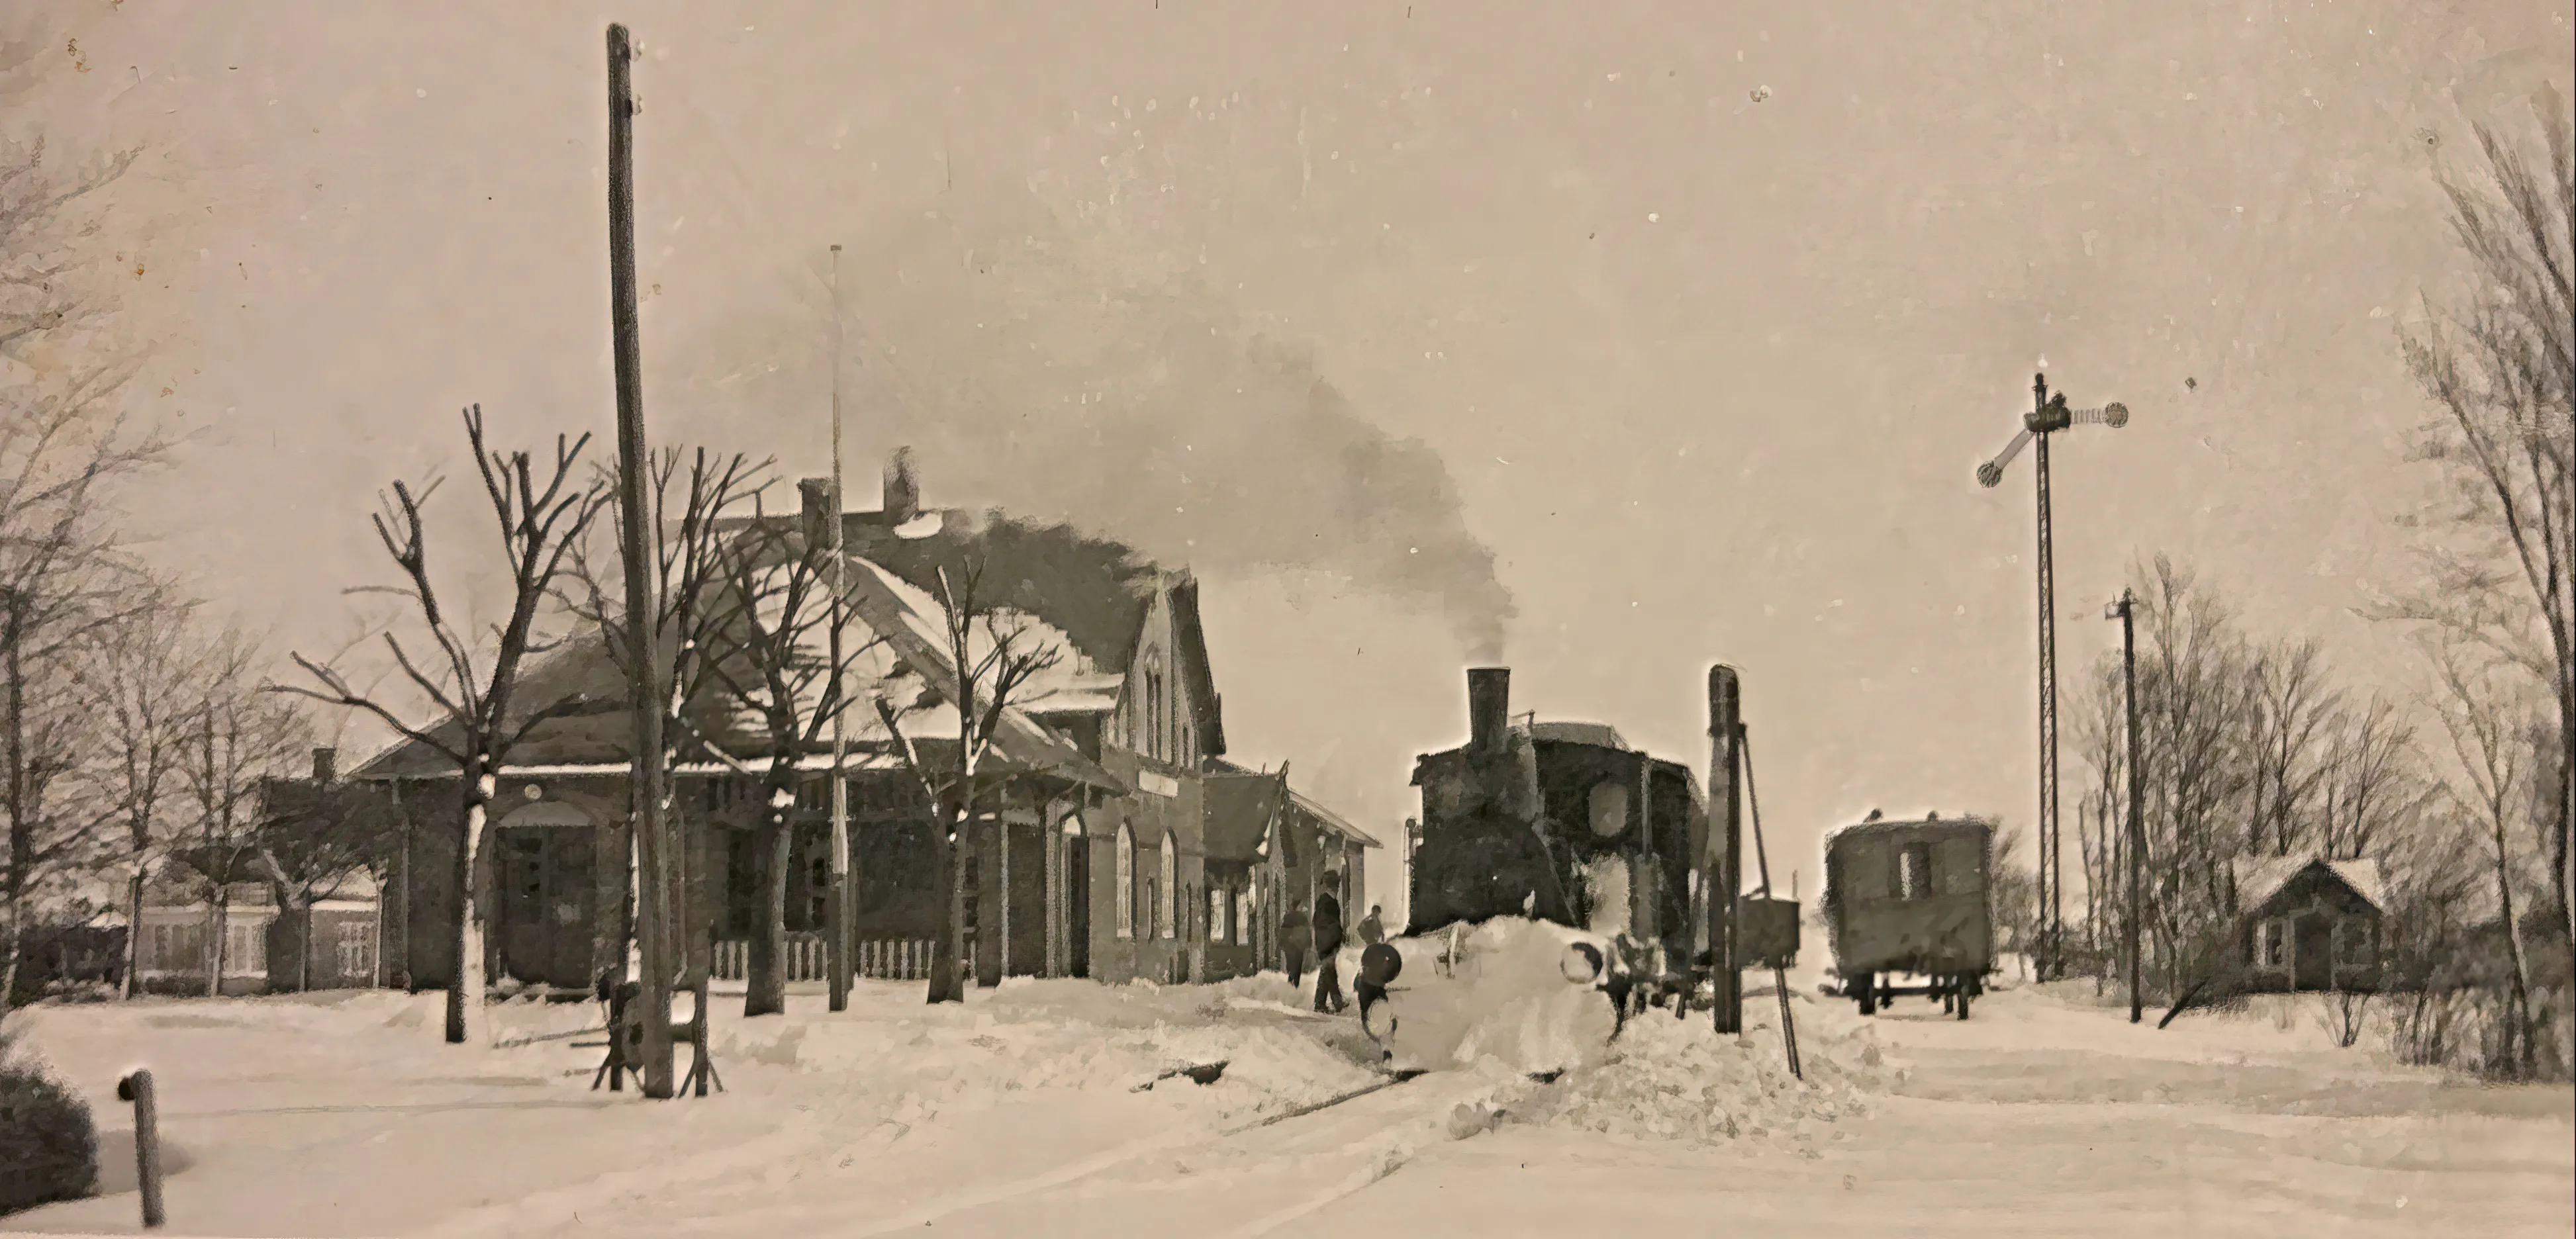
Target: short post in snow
137	1088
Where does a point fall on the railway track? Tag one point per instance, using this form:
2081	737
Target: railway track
1246	1181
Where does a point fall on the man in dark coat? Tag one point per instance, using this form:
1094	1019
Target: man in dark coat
1328	946
1293	940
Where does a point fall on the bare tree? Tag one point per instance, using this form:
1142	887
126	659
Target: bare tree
992	655
2479	711
2374	783
56	816
771	656
2101	731
139	674
62	450
2501	368
2294	710
474	695
241	735
311	838
47	208
690	600
2196	704
2013	893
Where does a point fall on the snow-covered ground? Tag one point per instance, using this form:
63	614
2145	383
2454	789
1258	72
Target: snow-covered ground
1018	1113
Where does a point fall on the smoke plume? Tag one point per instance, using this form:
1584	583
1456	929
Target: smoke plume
1044	367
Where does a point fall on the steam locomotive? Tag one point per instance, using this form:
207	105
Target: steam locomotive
1560	822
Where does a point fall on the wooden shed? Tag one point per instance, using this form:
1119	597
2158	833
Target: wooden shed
2310	924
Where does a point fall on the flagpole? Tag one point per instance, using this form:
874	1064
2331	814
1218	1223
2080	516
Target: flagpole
838	913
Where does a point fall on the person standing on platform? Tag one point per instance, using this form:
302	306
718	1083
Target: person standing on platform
1372	928
1328	947
1293	940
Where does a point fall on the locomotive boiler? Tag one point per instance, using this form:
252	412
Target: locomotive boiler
1562	822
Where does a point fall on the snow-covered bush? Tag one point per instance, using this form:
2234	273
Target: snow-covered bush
48	1147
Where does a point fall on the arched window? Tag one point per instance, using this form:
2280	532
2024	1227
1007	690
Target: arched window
1153	742
1126	882
1171	887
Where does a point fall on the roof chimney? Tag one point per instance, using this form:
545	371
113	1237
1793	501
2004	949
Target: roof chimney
1489	703
818	505
902	488
326	765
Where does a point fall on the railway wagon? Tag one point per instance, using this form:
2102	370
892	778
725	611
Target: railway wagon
1911	898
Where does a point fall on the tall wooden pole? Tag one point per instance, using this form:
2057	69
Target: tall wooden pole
654	920
837	906
2137	832
2052	868
1726	838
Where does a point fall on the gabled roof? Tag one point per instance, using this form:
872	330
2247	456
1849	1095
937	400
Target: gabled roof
2257	881
913	624
1218	769
913	656
1206	706
1240	810
1096	591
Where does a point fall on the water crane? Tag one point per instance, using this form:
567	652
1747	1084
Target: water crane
2049	415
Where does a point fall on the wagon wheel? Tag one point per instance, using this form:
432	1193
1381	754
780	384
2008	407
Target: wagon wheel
1866	986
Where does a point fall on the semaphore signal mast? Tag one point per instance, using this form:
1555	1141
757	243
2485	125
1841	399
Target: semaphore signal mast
2049	415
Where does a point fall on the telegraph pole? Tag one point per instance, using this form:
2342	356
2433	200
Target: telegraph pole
837	908
654	922
2126	608
1726	838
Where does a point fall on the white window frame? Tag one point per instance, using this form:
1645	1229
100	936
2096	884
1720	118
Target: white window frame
1921	886
1126	884
354	945
2272	944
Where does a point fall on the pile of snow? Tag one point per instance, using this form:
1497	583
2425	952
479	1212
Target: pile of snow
1669	1079
1508	1002
1034	1035
1507	999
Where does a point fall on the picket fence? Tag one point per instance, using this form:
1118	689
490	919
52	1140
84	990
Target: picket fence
808	959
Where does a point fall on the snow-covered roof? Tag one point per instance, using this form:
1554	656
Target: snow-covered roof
913	625
2257	881
898	633
1566	731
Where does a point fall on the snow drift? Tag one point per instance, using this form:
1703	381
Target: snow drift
1509	1000
1506	998
1669	1079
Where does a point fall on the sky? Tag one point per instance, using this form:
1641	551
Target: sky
1601	341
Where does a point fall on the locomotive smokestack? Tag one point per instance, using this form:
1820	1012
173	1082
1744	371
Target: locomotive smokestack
1489	707
902	488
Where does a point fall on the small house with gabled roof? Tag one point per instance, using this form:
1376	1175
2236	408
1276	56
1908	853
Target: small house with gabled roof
2310	924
